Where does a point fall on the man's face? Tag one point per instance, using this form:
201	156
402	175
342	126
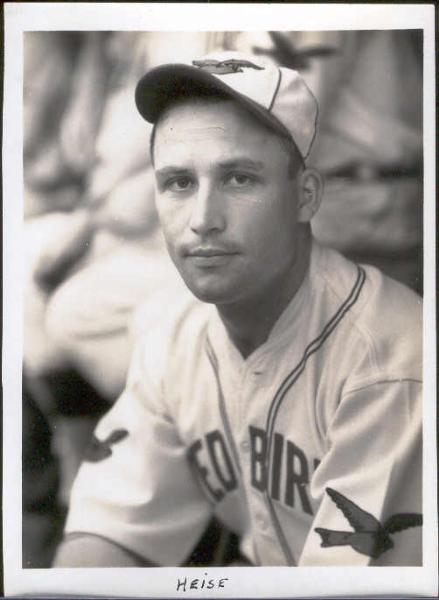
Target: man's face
226	201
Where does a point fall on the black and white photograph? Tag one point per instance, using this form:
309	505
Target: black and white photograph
219	324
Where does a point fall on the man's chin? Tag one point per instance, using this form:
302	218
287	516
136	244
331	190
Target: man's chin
210	297
212	294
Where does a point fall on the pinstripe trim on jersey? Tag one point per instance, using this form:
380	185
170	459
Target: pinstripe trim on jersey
222	405
288	382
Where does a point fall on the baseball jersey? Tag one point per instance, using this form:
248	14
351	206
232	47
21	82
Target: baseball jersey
309	449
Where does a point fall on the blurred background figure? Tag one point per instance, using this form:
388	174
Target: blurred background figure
98	275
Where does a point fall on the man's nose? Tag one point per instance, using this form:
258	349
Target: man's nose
207	211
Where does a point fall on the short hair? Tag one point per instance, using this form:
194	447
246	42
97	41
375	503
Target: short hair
295	160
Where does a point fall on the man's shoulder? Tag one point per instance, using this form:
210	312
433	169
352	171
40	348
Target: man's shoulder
379	296
392	316
340	273
384	316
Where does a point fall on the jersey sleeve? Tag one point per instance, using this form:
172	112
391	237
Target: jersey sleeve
369	481
135	486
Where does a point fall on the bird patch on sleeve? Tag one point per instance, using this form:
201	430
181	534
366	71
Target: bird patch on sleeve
369	537
97	449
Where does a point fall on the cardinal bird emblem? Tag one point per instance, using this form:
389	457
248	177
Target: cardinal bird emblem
370	537
223	67
97	450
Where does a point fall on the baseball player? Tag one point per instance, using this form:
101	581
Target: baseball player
287	402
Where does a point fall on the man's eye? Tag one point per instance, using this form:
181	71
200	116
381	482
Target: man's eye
239	179
179	184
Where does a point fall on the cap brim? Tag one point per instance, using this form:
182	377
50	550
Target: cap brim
165	84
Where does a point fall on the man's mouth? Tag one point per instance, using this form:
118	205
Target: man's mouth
211	256
210	251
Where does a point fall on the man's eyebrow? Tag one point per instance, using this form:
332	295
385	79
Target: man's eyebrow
171	170
242	163
236	163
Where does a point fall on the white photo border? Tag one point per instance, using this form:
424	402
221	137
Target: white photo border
161	582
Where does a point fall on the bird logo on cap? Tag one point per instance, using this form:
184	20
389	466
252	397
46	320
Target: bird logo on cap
223	67
370	537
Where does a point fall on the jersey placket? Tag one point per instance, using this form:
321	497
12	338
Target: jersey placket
247	389
239	388
254	398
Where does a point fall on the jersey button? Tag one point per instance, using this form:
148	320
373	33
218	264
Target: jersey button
245	445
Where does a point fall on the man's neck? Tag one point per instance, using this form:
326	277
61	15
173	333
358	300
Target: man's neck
249	323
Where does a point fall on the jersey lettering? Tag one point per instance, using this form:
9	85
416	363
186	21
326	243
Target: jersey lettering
286	478
295	475
278	446
258	443
203	473
218	454
215	464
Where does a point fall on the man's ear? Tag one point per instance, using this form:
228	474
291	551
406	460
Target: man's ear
310	194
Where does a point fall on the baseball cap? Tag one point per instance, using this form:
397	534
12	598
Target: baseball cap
278	96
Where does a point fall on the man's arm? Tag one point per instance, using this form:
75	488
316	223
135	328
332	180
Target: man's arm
135	495
85	550
370	480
